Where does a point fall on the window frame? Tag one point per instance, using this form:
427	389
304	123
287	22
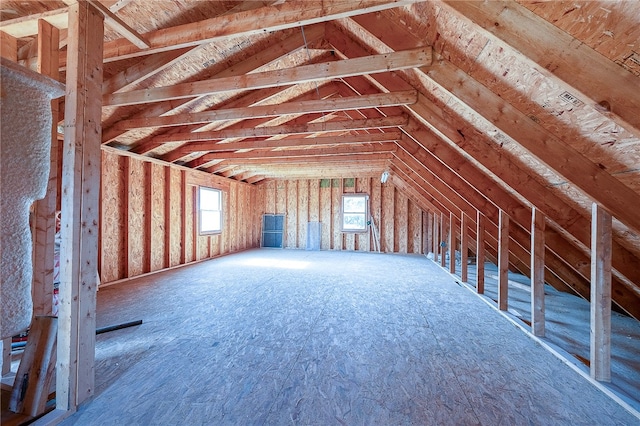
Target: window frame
220	211
365	213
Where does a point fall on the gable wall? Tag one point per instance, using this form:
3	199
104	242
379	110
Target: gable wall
398	219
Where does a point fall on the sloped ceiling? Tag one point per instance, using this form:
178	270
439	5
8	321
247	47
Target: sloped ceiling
471	105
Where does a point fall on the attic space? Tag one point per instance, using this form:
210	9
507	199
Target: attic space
486	152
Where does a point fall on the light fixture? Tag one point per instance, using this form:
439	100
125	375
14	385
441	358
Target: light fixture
384	177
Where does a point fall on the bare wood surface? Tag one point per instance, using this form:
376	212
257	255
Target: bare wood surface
600	355
503	261
80	205
261	80
537	272
301	107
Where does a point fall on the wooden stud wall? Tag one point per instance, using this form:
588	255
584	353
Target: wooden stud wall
398	218
148	217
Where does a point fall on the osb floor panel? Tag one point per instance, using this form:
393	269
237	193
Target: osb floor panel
297	337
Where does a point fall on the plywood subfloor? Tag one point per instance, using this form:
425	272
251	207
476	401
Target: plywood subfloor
296	337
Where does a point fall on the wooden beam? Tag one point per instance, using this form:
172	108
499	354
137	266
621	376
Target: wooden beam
319	160
143	69
443	244
600	357
8	46
565	160
281	143
120	26
45	209
490	155
453	228
260	80
464	248
480	220
247	23
27	26
300	107
286	129
503	261
559	53
80	192
306	153
278	49
537	273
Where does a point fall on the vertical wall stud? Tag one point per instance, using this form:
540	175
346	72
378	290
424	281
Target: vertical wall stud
600	294
503	261
537	272
464	248
480	252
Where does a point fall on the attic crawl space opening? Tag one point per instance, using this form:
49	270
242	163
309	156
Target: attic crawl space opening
506	132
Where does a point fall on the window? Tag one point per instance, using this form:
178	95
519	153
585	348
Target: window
354	212
210	210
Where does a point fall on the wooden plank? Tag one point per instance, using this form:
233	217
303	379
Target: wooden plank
491	156
143	69
32	383
80	204
537	273
561	54
302	216
480	221
291	214
336	212
8	46
120	26
126	208
299	107
282	77
387	221
148	218
246	23
464	248
250	64
503	261
305	153
326	214
285	129
136	230
600	353
444	225
212	147
26	26
167	217
45	209
598	184
453	229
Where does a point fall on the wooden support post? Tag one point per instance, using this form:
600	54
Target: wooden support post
427	232
184	193
147	262
480	252
453	225
503	261
167	217
80	191
436	237
30	390
537	272
45	209
6	356
194	224
600	294
443	248
464	248
126	206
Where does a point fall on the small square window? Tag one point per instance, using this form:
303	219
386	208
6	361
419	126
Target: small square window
209	210
354	212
